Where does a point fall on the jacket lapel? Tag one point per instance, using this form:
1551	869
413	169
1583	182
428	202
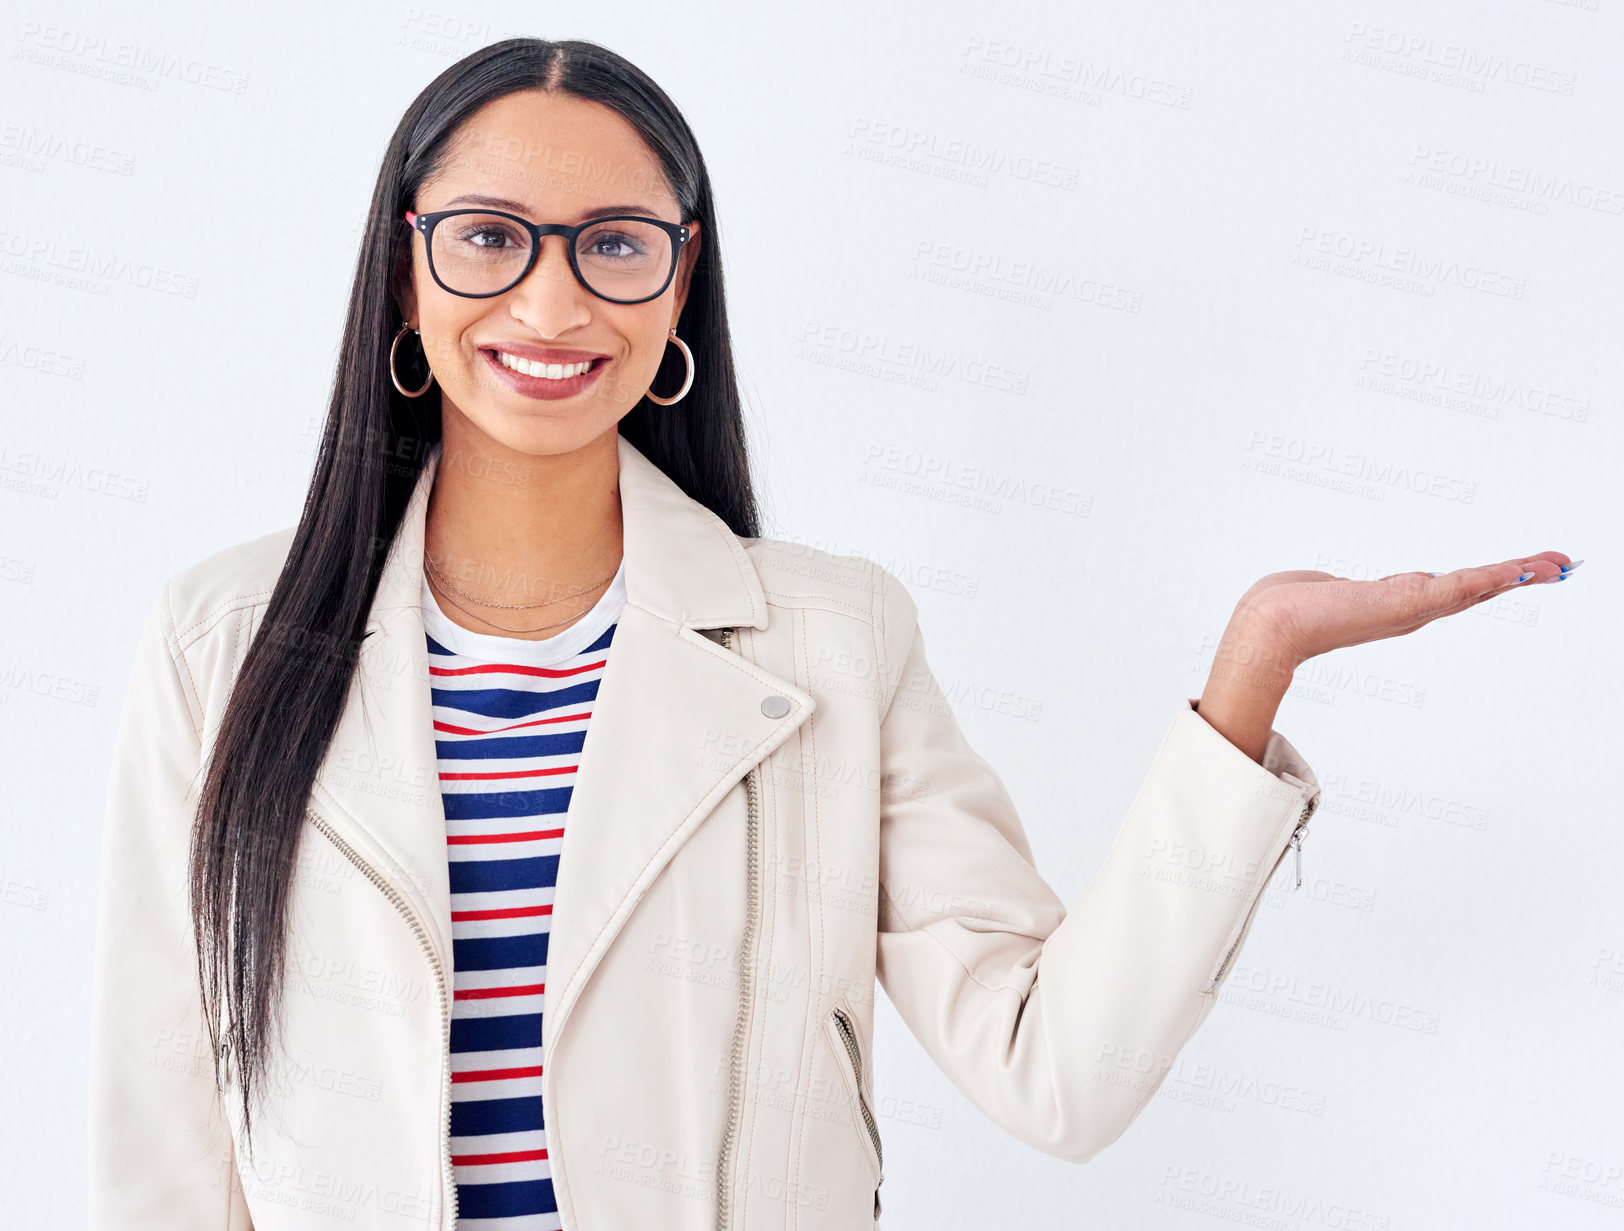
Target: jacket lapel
678	721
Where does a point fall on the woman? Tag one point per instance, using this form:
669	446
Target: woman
552	828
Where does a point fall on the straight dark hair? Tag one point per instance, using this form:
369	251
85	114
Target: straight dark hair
282	713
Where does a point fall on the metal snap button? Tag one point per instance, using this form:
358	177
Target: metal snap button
775	706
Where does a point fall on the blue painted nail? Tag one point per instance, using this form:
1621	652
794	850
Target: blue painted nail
1524	577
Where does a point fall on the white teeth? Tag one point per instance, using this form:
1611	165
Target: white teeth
548	371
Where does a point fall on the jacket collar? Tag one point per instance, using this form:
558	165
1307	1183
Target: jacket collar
675	707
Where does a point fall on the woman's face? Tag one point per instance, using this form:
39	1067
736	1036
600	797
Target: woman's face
551	158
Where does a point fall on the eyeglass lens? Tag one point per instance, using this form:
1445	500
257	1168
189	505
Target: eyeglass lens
481	254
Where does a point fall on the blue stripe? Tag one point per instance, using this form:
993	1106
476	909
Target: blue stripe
476	1117
495	875
496	1033
513	702
505	1200
497	952
495	747
549	804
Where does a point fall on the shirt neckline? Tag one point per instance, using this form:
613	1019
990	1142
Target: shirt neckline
545	652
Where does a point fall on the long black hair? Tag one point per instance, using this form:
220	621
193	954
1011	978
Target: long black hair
282	715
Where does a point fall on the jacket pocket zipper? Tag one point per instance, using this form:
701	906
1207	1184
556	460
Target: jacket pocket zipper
400	903
741	1024
1294	843
848	1035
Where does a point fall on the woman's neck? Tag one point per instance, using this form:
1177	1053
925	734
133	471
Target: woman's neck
514	528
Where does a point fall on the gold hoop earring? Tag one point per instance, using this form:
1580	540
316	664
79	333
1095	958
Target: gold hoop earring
688	381
393	346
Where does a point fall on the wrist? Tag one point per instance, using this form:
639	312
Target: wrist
1252	658
1251	674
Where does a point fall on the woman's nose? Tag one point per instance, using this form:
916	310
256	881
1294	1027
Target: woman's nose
550	297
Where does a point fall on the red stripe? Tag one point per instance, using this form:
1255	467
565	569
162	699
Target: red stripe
496	1074
533	722
511	1156
551	673
536	835
490	993
508	773
506	912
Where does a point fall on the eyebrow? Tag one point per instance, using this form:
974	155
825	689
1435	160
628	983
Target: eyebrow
519	207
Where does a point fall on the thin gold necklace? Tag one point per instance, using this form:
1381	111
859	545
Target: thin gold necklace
445	584
537	629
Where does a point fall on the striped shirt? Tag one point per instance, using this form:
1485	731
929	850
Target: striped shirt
510	717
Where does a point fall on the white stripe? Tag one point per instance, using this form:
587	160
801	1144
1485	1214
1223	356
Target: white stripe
502	899
500	1006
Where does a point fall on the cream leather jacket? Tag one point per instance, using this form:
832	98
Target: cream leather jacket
775	811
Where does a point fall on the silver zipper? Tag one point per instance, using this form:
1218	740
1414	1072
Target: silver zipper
1295	843
439	986
849	1034
741	1025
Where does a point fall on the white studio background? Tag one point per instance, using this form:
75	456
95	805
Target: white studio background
1078	318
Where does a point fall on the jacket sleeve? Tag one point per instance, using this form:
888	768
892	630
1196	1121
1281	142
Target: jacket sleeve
160	1151
1061	1024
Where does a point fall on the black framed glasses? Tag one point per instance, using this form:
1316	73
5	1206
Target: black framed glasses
478	253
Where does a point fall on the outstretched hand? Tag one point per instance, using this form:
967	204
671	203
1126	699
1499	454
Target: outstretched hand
1301	614
1287	618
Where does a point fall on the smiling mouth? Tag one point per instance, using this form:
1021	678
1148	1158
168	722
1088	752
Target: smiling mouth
546	371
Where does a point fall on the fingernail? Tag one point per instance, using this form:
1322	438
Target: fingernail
1434	574
1523	578
1567	570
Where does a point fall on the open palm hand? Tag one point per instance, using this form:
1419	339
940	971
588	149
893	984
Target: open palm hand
1303	613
